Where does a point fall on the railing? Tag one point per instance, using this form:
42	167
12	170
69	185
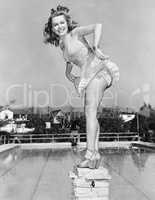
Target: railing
65	137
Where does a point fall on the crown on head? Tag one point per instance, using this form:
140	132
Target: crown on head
59	9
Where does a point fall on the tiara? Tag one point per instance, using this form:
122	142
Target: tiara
59	9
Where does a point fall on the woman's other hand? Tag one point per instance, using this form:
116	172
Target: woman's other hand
76	82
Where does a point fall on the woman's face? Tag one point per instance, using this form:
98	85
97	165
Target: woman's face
59	25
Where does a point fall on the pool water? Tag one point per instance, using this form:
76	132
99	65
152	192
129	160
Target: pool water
43	174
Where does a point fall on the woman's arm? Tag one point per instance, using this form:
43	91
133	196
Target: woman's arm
95	29
68	73
71	77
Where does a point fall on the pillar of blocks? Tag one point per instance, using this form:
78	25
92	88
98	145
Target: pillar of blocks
90	184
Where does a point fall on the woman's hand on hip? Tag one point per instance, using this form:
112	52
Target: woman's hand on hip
76	82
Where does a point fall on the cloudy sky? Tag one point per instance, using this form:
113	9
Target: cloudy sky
32	73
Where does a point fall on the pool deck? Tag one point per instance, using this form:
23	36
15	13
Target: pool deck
67	145
30	177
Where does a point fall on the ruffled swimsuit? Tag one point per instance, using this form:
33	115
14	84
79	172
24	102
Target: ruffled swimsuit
81	54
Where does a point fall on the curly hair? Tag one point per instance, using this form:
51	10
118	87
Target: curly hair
50	36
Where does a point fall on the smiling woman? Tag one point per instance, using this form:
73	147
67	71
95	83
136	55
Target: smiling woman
97	71
60	26
49	31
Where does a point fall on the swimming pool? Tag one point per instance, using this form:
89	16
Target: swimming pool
42	174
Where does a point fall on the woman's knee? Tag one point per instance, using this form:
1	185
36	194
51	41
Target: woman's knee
95	93
90	111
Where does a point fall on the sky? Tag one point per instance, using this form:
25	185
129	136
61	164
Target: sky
33	73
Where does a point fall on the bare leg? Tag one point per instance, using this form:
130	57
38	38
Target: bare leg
94	95
97	138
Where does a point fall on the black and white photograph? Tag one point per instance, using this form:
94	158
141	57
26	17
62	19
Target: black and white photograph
77	100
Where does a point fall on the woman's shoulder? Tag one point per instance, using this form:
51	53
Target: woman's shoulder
83	30
74	31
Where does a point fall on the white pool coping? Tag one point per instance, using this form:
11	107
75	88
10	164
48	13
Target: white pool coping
62	145
5	147
67	145
114	144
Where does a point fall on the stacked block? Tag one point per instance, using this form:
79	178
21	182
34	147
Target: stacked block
90	184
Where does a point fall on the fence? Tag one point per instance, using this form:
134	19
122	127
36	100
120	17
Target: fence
66	137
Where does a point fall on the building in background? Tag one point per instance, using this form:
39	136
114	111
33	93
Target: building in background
6	114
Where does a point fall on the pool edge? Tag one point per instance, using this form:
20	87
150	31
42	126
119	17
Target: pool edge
8	147
82	145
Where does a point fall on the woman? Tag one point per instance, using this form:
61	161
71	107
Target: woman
97	71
